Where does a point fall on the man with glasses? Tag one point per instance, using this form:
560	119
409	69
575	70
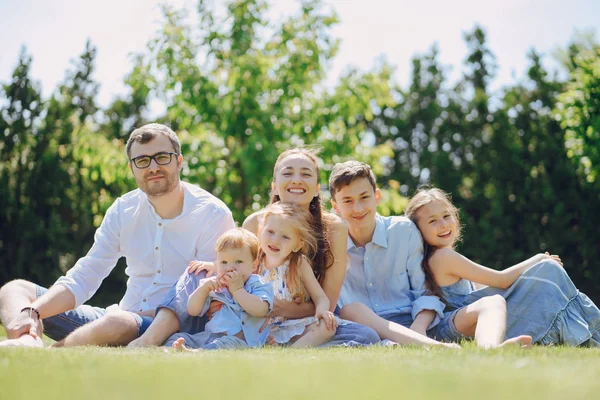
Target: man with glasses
159	228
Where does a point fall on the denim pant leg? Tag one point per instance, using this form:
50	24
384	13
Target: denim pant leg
177	298
351	334
59	326
445	330
222	342
207	340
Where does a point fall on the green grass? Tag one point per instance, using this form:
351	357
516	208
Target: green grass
402	373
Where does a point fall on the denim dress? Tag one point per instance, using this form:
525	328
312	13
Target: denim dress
543	302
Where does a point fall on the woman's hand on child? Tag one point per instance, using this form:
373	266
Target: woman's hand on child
327	317
278	308
264	325
214	306
553	257
233	280
196	267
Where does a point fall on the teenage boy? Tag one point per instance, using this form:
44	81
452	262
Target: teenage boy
384	286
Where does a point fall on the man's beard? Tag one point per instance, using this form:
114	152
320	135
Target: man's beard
163	186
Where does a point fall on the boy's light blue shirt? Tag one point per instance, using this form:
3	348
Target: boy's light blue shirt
232	318
386	274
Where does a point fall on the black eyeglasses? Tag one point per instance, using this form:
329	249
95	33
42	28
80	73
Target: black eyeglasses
162	158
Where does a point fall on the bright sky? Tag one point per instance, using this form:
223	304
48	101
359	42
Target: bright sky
55	33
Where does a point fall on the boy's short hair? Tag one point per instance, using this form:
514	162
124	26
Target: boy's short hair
148	133
347	172
237	238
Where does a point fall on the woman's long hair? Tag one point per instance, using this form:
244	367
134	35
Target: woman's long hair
323	257
422	198
300	220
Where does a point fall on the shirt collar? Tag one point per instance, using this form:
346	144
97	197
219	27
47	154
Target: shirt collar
379	236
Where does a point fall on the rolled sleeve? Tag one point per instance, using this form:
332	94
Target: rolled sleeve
417	280
262	290
84	279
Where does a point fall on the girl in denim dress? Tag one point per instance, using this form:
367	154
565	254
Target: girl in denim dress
541	299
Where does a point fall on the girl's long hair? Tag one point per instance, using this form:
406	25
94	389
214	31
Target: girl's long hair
422	198
322	258
299	219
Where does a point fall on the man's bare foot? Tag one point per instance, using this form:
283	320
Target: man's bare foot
179	345
522	341
25	340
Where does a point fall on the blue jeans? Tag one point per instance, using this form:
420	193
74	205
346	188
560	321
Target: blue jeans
208	341
61	325
444	331
351	334
177	298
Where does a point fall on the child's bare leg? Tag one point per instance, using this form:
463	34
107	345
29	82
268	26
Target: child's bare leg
359	313
314	335
523	341
179	345
484	319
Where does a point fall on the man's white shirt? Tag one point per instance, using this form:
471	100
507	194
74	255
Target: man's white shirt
157	250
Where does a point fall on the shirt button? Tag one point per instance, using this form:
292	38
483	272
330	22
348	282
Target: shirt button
154	283
144	300
156	248
159	224
140	310
370	284
158	272
243	323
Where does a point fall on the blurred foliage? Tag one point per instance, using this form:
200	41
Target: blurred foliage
522	163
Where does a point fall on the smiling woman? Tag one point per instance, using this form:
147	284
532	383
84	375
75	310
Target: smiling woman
295	180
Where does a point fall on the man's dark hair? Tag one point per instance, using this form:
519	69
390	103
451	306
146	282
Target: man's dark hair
149	132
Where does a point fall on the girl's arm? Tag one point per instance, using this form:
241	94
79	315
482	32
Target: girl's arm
197	299
317	295
449	262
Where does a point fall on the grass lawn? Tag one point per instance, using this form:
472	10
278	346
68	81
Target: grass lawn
371	373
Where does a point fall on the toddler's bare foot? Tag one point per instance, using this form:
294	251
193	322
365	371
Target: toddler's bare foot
25	340
179	345
523	341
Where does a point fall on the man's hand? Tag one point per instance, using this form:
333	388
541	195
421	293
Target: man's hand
233	280
26	322
195	267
